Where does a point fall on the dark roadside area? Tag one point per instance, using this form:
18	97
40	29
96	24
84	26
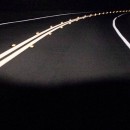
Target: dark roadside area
94	105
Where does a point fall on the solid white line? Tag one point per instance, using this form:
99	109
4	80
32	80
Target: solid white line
33	19
119	33
30	39
33	40
25	42
40	36
16	53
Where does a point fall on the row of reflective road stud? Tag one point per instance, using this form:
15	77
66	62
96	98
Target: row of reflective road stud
21	47
85	16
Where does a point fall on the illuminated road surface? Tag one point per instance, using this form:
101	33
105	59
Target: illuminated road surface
31	41
88	49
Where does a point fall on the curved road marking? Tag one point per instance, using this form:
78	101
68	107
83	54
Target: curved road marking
26	41
119	33
16	53
33	19
2	55
42	35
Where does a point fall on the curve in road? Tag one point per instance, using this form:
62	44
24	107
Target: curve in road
119	33
33	40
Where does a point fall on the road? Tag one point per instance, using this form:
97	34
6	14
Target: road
86	50
75	78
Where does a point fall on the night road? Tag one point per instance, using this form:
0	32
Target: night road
66	71
87	49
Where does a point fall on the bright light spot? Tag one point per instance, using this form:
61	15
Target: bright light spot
37	33
13	45
50	33
32	46
77	18
51	27
84	16
70	21
90	15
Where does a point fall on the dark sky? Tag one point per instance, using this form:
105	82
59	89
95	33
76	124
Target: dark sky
21	5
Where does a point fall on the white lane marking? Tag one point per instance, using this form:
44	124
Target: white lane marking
119	33
16	53
26	41
34	37
33	19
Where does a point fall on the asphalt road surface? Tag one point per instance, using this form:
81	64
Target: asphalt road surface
86	64
86	50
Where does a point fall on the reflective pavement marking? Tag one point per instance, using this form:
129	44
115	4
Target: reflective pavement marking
33	40
33	19
25	42
119	33
16	53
